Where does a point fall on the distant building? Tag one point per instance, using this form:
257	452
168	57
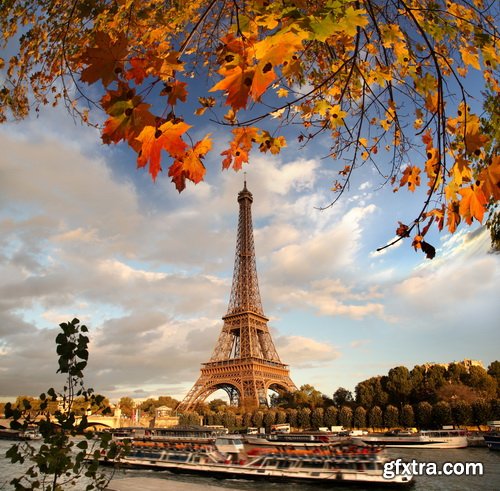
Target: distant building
163	418
467	363
163	412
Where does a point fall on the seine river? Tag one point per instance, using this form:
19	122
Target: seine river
489	481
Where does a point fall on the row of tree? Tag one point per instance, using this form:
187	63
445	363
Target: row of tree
426	396
431	383
422	415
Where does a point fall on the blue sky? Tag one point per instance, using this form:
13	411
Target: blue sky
84	234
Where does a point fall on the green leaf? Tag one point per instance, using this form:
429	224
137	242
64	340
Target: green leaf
83	445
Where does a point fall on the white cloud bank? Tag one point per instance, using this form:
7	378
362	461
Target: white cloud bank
150	271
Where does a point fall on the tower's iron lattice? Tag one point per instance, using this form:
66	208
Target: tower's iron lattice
245	362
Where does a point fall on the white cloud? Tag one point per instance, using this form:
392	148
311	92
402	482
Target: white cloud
302	352
149	270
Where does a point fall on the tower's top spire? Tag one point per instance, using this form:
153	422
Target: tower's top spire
245	295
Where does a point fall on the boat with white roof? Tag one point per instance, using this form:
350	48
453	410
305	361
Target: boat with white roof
229	457
441	439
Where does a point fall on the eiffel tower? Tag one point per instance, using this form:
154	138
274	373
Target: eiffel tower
245	362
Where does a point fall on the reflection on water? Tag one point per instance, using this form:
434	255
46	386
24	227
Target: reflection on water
490	481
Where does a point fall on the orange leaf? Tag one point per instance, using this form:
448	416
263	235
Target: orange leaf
190	166
237	84
175	90
417	242
239	147
470	56
137	72
453	216
128	122
154	140
474	139
438	213
472	204
461	171
106	60
263	77
411	176
490	178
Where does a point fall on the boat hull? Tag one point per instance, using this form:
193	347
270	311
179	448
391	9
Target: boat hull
406	443
224	471
492	441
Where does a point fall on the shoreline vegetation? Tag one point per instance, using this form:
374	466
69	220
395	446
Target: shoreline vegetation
463	394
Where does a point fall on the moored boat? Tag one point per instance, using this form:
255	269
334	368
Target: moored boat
492	440
441	439
10	434
229	457
292	439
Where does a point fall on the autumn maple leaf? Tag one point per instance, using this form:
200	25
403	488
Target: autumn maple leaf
411	176
126	123
473	137
175	90
105	60
237	83
472	204
453	218
190	165
128	115
271	52
239	147
138	70
490	178
402	230
154	140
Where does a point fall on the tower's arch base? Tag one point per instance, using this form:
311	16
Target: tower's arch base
245	381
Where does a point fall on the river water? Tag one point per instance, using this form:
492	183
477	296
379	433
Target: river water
489	481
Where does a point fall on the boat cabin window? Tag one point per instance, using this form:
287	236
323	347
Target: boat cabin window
313	464
229	441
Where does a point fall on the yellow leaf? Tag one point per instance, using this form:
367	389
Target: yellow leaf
337	116
353	18
470	56
282	92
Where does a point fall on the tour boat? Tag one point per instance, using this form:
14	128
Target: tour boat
228	457
424	439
